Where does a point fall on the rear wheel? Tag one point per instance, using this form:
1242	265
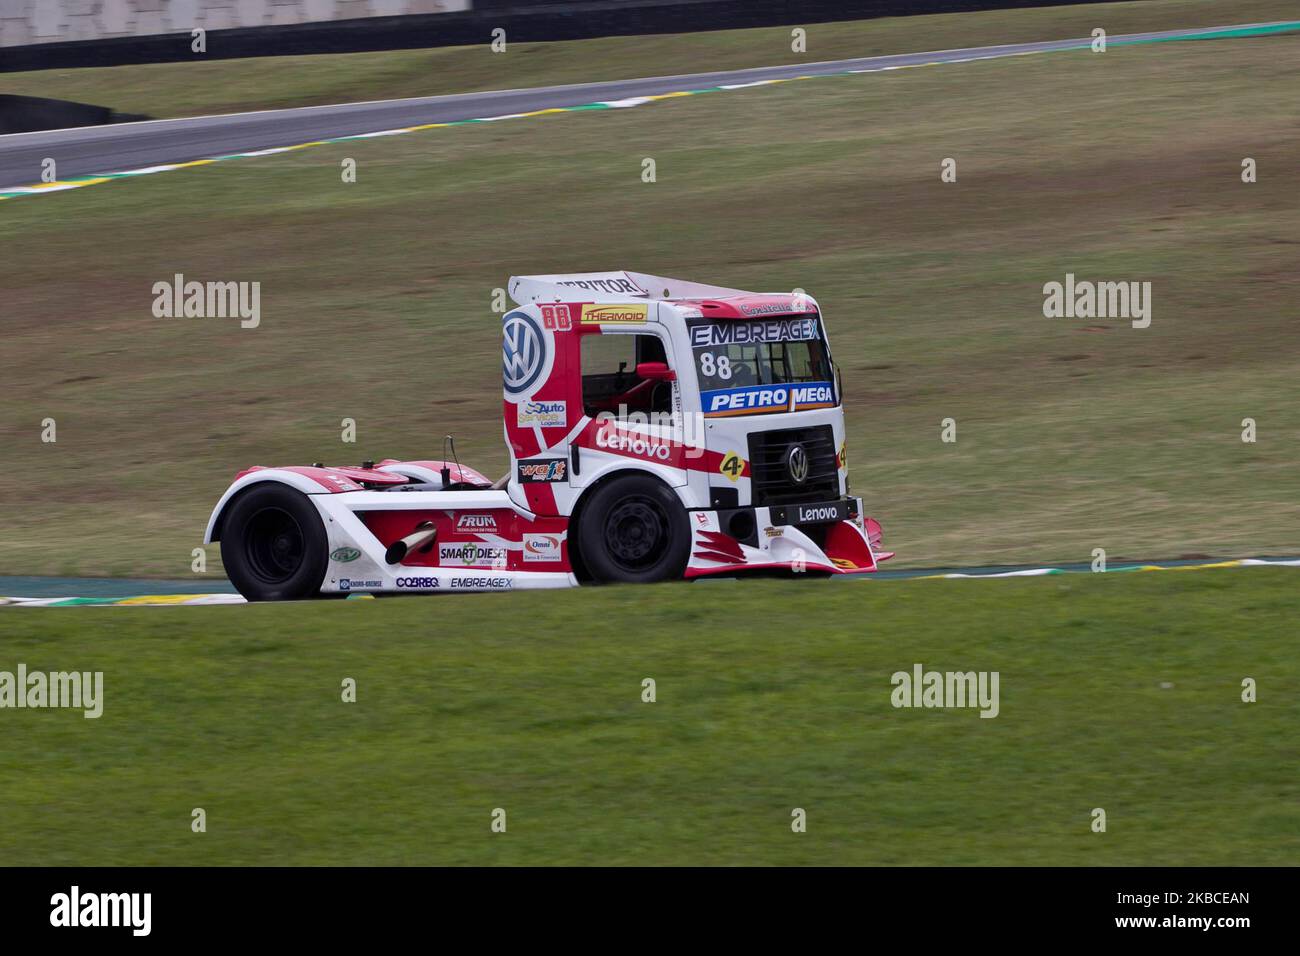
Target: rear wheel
634	529
274	545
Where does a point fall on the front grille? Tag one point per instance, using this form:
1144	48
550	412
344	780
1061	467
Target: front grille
771	481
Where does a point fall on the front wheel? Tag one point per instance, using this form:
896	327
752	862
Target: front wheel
634	529
274	545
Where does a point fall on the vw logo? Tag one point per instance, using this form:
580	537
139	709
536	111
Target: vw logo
796	463
523	353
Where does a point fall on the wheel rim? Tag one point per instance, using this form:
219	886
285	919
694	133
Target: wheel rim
274	545
635	532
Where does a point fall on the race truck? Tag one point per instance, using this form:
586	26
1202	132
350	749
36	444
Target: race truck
657	429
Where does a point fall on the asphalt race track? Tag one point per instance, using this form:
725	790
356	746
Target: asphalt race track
103	149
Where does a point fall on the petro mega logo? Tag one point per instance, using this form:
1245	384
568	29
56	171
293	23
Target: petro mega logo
756	400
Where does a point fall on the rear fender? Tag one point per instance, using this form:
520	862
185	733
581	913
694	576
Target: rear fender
306	483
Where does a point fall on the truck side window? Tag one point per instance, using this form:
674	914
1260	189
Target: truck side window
609	379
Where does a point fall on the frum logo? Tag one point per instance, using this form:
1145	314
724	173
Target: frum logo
922	688
1098	300
103	909
208	300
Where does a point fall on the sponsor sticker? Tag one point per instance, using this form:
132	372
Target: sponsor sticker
610	438
556	318
760	399
774	308
476	524
344	555
774	532
543	414
712	334
612	282
543	469
482	583
614	314
733	466
822	513
541	547
472	554
347	584
419	583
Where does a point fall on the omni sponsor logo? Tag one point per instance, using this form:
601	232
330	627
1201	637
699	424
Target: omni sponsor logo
541	547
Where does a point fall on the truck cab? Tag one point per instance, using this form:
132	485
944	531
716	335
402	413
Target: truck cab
727	400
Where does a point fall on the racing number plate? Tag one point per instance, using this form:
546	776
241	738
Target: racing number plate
823	512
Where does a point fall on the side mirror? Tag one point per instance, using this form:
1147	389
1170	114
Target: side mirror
656	372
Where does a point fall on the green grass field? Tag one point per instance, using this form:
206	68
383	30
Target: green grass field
205	86
1072	434
1119	691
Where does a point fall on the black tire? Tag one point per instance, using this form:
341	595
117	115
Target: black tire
274	545
634	529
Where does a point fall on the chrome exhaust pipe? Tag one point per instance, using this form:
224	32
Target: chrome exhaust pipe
422	536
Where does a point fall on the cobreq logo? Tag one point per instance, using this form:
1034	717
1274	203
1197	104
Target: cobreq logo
613	314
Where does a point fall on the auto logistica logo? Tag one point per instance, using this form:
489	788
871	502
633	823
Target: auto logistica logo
523	354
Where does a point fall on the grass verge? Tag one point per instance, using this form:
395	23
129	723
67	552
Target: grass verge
1116	691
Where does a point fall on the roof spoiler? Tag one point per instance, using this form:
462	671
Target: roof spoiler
611	287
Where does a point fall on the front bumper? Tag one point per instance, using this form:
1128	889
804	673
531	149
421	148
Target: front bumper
832	537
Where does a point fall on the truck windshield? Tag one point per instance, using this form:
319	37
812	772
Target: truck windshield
744	367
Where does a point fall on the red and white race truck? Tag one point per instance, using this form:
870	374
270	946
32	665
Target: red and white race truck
657	429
